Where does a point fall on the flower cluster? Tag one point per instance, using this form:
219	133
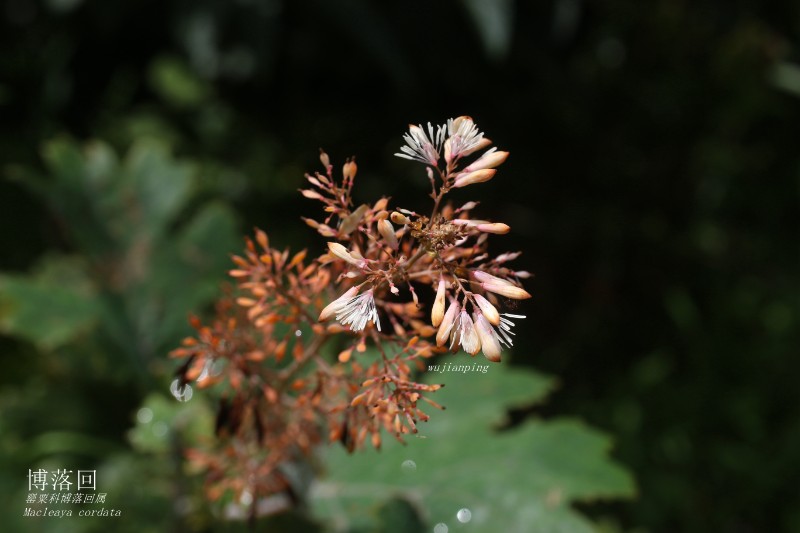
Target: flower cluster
330	348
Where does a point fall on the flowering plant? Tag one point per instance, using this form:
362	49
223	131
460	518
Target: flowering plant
279	396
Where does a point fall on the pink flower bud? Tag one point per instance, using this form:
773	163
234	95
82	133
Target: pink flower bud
490	159
469	178
497	228
437	311
342	253
489	311
508	256
500	286
448	151
387	232
311	194
399	218
447	323
349	170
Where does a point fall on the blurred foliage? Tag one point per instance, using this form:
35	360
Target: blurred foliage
653	184
143	253
143	259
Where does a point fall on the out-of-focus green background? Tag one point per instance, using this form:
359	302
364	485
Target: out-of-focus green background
653	185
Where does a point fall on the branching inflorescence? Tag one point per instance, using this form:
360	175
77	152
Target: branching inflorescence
279	395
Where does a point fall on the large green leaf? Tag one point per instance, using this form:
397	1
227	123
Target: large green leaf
522	479
153	255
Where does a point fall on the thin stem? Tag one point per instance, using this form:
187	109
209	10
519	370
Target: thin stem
444	190
414	258
287	373
436	207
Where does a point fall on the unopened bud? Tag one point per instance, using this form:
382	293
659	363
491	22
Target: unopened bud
478	176
489	311
399	218
262	238
497	228
342	253
508	256
324	159
448	151
311	194
380	205
349	170
447	323
500	286
490	159
437	311
387	232
467	207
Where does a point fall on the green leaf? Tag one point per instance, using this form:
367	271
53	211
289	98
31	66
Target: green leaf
521	479
190	269
160	186
153	256
175	82
51	307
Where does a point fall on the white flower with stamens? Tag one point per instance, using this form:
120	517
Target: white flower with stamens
359	310
464	139
422	147
493	336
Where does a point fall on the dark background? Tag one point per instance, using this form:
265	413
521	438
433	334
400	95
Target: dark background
652	184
